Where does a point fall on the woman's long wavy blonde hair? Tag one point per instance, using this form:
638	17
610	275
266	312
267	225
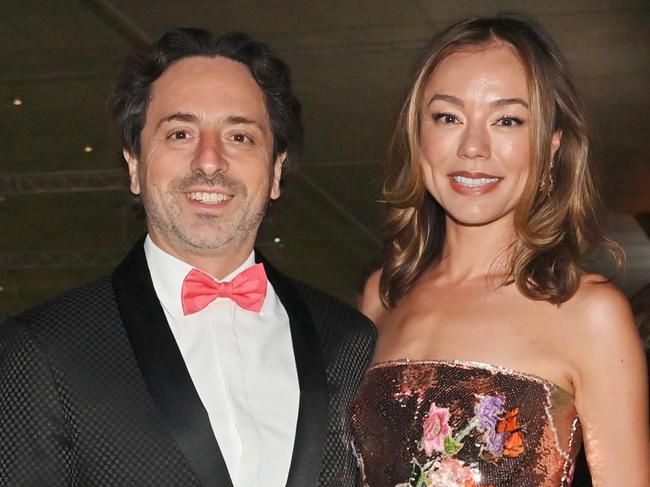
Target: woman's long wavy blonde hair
555	220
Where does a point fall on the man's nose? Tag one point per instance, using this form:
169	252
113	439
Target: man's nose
209	157
475	142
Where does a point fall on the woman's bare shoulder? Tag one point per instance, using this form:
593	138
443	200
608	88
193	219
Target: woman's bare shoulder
602	318
611	376
600	304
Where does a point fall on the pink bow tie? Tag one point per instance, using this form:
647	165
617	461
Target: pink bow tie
247	289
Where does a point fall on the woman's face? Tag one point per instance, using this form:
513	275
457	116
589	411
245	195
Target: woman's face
474	135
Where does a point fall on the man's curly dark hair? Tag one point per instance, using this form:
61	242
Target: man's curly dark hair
130	98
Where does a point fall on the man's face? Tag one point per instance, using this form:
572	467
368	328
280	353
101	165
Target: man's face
205	170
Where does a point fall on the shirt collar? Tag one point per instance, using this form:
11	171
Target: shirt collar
168	273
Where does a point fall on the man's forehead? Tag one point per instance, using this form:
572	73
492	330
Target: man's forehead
202	63
217	70
210	86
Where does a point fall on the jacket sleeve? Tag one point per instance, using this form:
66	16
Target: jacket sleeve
35	449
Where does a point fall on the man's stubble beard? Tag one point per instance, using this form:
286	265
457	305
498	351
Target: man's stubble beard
215	233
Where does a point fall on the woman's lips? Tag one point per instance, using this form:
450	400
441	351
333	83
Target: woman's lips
467	183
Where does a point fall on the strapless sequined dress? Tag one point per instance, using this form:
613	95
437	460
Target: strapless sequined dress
441	423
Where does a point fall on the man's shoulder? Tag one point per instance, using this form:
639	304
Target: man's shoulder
85	298
86	304
331	311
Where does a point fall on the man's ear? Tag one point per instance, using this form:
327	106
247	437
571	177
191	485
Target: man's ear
556	139
277	174
132	163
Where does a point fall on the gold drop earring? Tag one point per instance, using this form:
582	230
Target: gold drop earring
551	182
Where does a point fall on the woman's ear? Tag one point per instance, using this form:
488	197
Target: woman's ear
556	139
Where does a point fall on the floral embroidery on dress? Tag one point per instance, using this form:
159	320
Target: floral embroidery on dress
493	428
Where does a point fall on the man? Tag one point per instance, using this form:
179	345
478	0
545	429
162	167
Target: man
186	367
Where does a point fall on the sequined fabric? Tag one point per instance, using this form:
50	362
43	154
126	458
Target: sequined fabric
465	424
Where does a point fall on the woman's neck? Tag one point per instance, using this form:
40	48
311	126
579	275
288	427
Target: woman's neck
476	251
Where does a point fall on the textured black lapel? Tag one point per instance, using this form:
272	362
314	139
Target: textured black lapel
311	431
164	370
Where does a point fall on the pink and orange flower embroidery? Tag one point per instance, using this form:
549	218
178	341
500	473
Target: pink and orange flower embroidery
494	428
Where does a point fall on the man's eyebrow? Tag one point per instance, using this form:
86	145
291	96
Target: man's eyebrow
509	101
192	118
178	116
242	120
449	98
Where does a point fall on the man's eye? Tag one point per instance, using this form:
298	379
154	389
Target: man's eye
179	135
240	138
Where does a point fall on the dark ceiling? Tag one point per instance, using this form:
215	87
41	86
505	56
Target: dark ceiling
65	211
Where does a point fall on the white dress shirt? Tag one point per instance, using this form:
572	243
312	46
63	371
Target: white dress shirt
243	367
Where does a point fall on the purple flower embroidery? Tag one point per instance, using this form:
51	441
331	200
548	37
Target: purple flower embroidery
494	441
487	411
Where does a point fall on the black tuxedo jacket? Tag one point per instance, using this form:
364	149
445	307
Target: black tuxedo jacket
94	391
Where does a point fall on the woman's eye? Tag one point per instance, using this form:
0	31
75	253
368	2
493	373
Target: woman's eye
509	121
446	118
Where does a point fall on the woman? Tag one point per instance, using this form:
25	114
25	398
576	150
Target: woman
496	352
